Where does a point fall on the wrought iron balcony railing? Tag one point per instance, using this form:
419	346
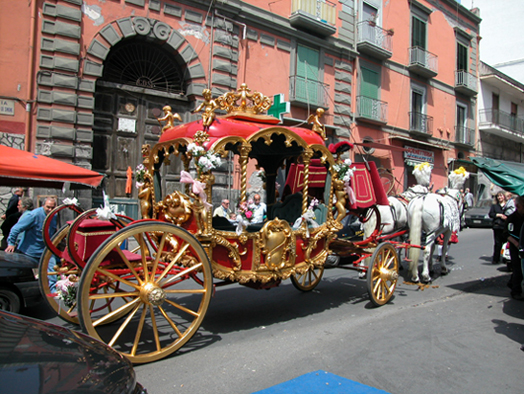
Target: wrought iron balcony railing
465	82
373	39
372	109
464	135
420	123
423	62
323	11
501	119
307	91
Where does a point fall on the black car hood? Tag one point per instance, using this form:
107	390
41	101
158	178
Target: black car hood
38	357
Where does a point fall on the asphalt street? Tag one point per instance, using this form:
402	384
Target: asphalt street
462	334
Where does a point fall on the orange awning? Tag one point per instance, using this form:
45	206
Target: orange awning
21	168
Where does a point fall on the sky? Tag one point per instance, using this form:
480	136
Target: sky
501	32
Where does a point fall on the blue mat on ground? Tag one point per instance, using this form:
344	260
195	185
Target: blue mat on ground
318	382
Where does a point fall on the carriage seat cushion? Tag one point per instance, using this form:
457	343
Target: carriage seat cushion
290	209
91	233
222	223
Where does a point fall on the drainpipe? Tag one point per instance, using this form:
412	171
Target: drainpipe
31	76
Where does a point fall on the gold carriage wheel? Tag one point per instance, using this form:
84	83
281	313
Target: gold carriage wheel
309	279
382	274
163	296
47	276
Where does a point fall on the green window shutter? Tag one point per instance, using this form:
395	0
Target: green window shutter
307	86
369	92
418	33
369	84
462	57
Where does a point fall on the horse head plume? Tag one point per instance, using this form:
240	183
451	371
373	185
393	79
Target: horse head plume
458	177
422	173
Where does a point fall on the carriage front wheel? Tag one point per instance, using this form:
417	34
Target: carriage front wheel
159	280
309	279
382	275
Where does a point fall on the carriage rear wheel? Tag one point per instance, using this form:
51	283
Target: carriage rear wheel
50	270
382	274
159	280
309	279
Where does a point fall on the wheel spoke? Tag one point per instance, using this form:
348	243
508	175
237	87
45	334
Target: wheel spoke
157	258
116	312
144	252
193	291
123	326
171	323
182	308
139	330
129	265
173	262
155	329
180	274
98	296
117	278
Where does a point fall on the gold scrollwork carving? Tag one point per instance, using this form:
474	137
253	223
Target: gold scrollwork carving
277	243
234	254
176	207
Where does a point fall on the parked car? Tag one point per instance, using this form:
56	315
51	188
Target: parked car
40	358
478	216
18	282
505	256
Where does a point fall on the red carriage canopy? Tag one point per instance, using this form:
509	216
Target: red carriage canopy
21	168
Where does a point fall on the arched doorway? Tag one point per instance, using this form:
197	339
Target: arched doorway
140	77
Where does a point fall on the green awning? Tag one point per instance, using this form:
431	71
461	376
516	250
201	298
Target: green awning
505	174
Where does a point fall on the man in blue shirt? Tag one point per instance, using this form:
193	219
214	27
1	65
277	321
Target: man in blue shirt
31	225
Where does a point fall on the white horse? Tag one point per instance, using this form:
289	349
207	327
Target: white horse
393	217
435	214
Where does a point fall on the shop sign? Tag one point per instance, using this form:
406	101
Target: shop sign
7	107
419	155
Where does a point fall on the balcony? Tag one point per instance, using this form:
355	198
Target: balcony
465	83
464	136
372	110
422	62
420	124
501	124
314	16
374	40
305	92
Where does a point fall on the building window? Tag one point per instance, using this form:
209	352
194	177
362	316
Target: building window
462	57
419	121
418	32
306	84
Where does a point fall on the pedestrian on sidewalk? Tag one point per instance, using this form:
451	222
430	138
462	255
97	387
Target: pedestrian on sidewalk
498	213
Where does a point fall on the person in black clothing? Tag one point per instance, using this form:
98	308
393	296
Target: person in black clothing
512	234
12	205
499	215
11	215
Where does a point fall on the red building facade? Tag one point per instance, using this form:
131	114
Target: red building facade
85	81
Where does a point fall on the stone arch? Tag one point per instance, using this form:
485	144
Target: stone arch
120	29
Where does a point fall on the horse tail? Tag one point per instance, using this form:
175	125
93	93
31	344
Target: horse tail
415	208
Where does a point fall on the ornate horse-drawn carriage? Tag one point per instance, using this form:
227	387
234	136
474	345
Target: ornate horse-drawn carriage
144	286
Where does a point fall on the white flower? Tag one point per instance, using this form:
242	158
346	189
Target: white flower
195	150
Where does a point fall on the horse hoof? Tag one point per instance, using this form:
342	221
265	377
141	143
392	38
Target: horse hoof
426	280
444	271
